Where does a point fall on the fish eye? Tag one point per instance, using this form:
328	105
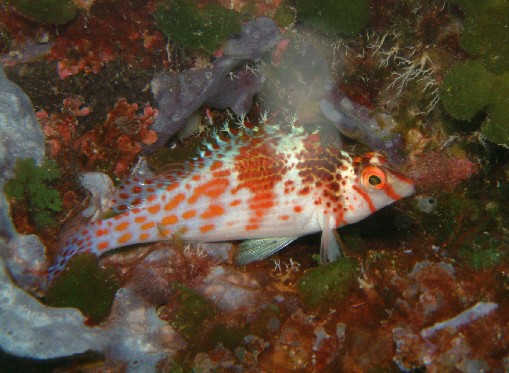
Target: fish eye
374	180
373	177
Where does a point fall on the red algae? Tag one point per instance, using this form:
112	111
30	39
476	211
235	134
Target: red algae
438	169
111	147
106	34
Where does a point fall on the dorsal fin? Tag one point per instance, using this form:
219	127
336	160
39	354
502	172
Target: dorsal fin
222	144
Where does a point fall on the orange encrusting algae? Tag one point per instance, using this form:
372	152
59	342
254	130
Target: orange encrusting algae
257	184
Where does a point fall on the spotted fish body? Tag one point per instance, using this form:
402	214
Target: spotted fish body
258	184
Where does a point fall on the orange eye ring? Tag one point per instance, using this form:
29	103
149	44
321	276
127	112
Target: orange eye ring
373	178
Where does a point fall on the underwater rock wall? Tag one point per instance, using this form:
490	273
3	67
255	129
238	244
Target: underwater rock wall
20	137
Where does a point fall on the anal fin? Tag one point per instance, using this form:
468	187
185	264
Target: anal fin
261	248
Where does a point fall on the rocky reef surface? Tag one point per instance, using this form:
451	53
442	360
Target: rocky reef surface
423	284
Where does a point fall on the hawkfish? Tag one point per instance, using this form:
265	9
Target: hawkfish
259	184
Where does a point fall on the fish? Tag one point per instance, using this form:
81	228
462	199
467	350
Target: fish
257	183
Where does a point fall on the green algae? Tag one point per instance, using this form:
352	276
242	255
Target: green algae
285	16
229	337
496	126
32	186
56	12
190	312
486	32
202	29
483	251
469	88
327	285
85	286
466	90
453	215
345	17
482	84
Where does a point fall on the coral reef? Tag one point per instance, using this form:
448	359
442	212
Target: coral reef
423	285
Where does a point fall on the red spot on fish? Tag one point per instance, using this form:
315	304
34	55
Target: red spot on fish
216	165
206	228
189	214
212	211
102	232
124	238
304	191
140	219
122	226
212	189
103	245
148	225
221	173
175	201
235	202
169	220
154	209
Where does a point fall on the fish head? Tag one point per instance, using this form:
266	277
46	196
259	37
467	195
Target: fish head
374	186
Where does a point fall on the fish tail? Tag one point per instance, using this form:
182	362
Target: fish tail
73	242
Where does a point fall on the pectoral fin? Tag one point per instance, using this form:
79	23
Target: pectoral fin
258	249
329	247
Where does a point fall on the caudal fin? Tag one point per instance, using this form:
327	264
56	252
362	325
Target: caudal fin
75	241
